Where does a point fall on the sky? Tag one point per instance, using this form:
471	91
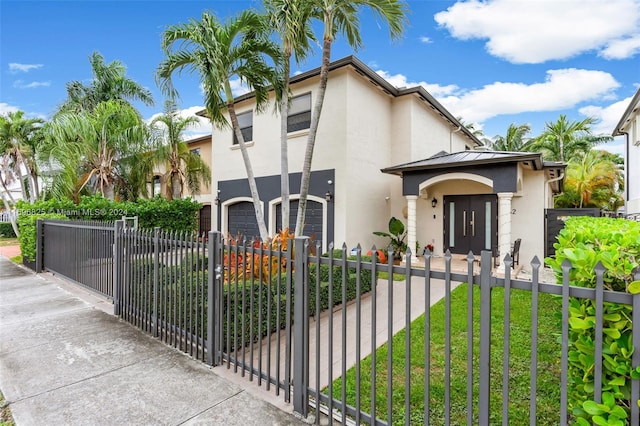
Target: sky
492	62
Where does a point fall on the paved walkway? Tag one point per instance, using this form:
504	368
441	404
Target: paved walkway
63	361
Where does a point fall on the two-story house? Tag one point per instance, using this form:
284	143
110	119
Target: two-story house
629	127
448	194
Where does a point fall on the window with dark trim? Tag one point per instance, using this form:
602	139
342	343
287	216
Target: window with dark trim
195	151
245	120
157	185
299	117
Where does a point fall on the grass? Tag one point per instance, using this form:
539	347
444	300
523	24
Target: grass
5	413
548	389
385	276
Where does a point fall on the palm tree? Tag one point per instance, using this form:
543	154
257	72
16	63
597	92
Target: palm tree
291	20
19	137
515	139
563	140
218	52
109	83
86	148
182	166
340	16
592	180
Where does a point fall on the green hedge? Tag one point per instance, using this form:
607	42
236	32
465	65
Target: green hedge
6	230
585	241
174	215
28	232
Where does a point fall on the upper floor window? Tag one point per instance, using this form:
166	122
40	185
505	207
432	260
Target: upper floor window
299	117
245	120
195	151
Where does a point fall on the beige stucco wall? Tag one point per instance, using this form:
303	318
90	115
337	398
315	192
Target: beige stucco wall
527	219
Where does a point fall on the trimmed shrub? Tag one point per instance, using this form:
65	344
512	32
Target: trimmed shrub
6	230
585	241
174	215
28	232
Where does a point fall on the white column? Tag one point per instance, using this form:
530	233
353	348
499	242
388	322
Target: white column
504	226
412	225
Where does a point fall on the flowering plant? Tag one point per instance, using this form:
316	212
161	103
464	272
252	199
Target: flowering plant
430	247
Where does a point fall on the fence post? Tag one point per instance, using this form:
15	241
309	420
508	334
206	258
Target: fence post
156	278
117	265
484	388
39	245
213	295
300	330
635	358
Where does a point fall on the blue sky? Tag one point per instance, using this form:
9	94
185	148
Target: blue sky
491	62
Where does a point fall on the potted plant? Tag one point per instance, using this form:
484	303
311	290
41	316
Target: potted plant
396	235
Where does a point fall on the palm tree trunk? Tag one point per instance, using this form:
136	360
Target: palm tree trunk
176	187
284	149
253	187
6	190
108	191
311	139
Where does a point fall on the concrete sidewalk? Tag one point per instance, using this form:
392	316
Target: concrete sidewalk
64	361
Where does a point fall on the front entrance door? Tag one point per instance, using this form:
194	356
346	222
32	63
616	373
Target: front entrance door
470	223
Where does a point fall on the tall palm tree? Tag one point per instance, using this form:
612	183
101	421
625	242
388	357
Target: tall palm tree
592	180
218	52
340	16
563	140
19	137
86	148
182	166
514	141
291	20
109	83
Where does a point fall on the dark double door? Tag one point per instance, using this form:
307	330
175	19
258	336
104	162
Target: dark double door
470	223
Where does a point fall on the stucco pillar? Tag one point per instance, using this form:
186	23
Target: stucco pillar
412	225
504	226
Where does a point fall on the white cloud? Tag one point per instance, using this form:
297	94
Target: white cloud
238	87
19	84
623	48
6	108
607	116
15	67
400	81
527	31
425	39
562	89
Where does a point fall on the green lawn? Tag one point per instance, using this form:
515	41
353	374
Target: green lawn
5	413
548	394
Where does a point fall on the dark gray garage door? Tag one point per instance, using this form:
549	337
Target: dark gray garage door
312	223
242	220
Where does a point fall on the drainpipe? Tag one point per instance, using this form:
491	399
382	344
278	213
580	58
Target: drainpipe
451	138
547	182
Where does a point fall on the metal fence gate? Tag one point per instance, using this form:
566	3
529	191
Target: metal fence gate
81	251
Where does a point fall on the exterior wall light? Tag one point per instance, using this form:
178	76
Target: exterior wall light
328	196
434	202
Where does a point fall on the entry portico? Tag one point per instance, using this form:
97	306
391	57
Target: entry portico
478	200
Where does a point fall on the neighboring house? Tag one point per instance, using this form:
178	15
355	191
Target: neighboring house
629	126
158	186
368	125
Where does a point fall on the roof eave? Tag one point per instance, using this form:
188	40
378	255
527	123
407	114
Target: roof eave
627	113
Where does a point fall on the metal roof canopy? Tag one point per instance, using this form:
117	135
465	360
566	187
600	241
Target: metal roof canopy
500	166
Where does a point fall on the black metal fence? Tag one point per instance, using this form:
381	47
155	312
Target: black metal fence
322	330
81	251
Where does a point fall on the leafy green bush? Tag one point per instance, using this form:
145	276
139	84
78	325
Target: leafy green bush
174	215
28	232
585	241
6	230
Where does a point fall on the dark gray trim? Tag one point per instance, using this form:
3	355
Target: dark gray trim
633	105
269	189
504	176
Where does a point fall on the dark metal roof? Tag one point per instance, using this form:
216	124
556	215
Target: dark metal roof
383	84
468	158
